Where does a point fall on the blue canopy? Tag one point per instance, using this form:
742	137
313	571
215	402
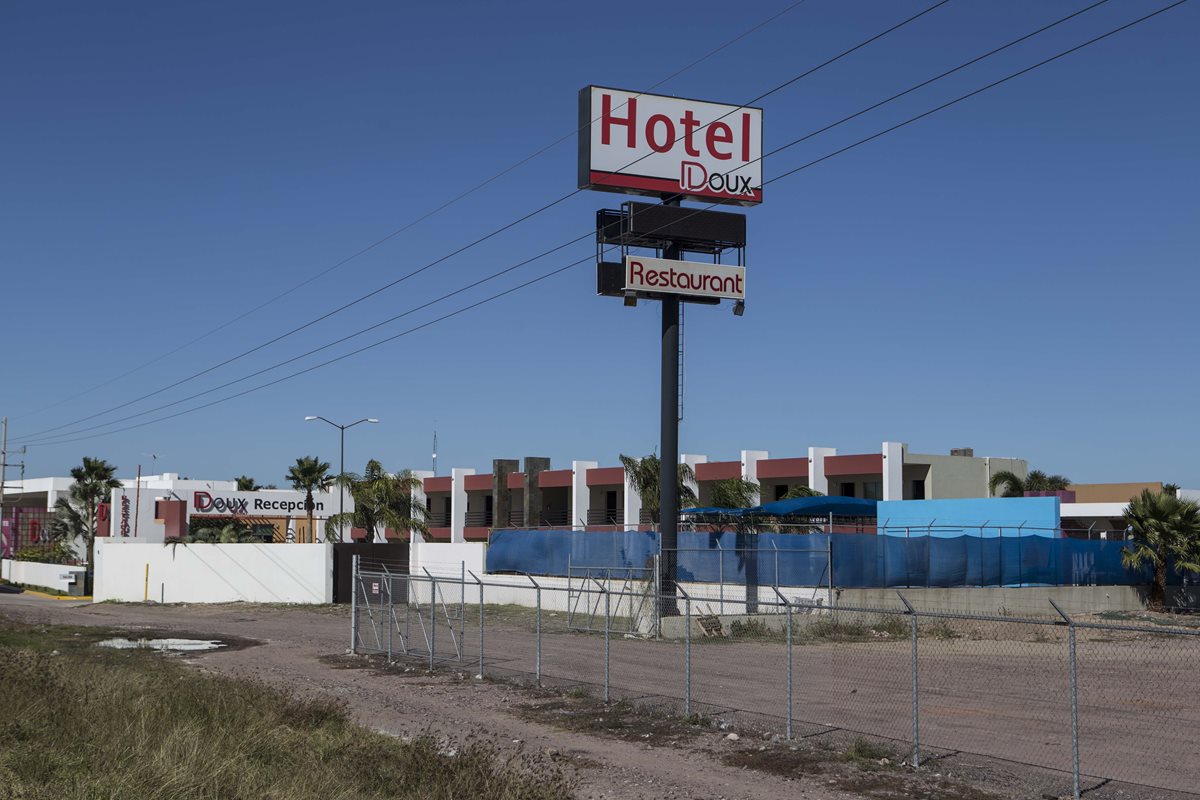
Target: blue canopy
798	507
816	507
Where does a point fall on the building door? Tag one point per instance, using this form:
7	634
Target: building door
780	490
847	489
487	511
610	507
918	489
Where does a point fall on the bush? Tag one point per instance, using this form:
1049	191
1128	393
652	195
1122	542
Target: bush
56	553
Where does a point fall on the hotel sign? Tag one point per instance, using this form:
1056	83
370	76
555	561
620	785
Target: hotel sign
651	144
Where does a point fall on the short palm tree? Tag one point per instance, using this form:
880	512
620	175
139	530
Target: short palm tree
741	493
643	474
310	474
382	500
76	516
1165	532
1014	485
801	491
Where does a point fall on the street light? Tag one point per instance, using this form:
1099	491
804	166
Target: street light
342	467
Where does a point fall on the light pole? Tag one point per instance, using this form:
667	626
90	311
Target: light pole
342	464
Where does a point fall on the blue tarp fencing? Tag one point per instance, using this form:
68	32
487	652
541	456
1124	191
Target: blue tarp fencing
788	559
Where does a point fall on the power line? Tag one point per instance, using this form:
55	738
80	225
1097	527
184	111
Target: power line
483	238
412	223
588	234
562	269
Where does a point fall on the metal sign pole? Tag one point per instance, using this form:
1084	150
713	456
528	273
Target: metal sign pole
668	475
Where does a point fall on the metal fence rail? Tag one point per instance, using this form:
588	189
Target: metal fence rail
1089	701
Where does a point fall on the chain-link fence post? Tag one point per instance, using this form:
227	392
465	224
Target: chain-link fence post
354	605
687	653
607	631
432	618
389	617
916	686
787	604
1074	700
537	663
480	582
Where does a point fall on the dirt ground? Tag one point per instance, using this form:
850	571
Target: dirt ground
619	752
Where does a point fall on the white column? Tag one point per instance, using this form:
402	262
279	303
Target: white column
633	506
414	537
750	459
458	503
692	461
580	495
893	470
816	468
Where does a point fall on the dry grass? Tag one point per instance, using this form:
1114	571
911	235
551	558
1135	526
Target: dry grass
84	723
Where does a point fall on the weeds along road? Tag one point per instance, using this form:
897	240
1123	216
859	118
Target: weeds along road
296	644
1004	695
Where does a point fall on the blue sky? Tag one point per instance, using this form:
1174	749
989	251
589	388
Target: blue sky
1016	274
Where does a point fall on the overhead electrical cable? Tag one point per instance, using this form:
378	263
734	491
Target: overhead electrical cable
412	223
478	241
566	267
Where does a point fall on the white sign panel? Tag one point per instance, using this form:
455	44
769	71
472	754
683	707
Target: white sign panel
693	278
656	145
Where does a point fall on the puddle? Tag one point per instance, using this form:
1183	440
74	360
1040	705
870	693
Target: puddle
169	645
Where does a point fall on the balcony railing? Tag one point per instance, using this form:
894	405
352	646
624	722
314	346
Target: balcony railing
603	516
435	520
479	519
516	518
556	517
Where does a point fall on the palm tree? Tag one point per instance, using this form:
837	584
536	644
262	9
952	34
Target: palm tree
643	474
1035	481
801	491
247	484
231	532
1166	531
382	500
77	514
310	474
741	493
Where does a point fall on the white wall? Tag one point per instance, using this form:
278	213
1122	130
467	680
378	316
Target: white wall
444	559
214	573
32	573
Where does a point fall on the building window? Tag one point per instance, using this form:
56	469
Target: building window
918	489
780	490
847	489
873	490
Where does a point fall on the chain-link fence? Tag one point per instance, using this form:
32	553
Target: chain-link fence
1091	703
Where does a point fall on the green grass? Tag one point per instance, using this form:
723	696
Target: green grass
83	722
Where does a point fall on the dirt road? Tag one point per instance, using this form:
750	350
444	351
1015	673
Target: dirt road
294	648
1001	698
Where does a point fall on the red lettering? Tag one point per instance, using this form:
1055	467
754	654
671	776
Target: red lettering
718	133
654	122
635	273
737	283
607	120
689	122
745	136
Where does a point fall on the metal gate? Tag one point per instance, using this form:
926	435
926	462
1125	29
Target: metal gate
620	600
407	615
